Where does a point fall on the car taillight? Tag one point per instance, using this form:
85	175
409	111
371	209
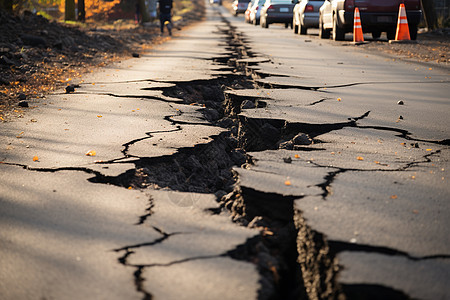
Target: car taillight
271	8
349	5
309	8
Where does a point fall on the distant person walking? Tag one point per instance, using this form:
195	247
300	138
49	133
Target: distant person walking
165	15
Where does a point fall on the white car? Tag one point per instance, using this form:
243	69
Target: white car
306	15
255	11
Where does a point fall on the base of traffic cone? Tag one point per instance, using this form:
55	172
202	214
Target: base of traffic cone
402	42
358	43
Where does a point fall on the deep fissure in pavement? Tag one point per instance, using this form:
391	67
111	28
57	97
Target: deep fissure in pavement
206	168
294	261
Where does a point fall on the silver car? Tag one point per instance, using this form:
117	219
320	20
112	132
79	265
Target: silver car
306	15
255	11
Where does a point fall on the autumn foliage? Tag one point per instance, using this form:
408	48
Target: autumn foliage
97	9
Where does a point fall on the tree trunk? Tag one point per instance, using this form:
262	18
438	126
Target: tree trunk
69	11
143	11
429	13
81	11
6	5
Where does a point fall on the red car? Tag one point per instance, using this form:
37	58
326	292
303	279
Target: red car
377	16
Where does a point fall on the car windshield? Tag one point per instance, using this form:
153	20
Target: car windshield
281	1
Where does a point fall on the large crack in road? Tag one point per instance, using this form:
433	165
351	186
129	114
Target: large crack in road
294	260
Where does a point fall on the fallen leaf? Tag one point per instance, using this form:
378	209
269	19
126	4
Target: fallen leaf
35	158
394	197
339	99
429	150
360	158
297	156
130	187
287	182
99	116
91	153
377	162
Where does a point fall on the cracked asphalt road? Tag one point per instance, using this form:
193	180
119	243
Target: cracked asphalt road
229	166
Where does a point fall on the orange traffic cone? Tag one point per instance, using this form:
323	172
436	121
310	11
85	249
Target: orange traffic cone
357	28
402	33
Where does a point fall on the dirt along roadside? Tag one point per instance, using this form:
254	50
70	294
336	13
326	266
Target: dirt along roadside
431	47
38	56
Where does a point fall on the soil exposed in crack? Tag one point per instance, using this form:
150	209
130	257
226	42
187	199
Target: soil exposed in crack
206	168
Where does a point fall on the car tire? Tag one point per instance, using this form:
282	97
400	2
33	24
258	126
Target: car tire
302	29
338	32
376	34
323	33
264	23
413	31
391	33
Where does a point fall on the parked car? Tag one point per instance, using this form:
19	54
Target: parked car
306	15
247	11
255	11
239	6
276	11
219	2
377	16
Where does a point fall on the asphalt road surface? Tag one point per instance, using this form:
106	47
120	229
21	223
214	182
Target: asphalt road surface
232	162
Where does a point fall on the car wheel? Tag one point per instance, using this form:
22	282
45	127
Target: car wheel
323	33
302	29
391	33
338	32
376	34
295	26
413	31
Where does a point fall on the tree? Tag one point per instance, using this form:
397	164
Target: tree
69	11
143	11
429	13
6	5
81	11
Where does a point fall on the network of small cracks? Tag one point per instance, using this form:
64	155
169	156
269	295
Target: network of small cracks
331	176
